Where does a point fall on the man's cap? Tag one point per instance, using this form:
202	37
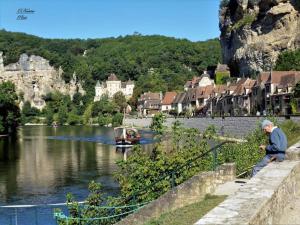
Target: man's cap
266	123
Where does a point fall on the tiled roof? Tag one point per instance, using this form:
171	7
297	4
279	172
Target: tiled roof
112	77
205	92
168	98
263	78
190	95
219	89
179	98
150	96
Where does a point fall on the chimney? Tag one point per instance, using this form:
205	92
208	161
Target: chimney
160	95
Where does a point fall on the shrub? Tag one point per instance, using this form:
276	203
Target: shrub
117	119
104	120
248	19
157	123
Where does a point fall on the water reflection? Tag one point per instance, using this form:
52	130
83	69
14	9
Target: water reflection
43	163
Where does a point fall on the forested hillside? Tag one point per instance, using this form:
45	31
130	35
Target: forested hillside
130	57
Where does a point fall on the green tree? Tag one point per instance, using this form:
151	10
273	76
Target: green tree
288	60
9	111
157	124
120	100
62	115
117	119
74	119
28	113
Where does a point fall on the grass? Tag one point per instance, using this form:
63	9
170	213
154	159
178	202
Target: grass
188	214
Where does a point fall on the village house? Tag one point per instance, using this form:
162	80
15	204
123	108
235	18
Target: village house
214	101
190	102
203	94
242	97
166	103
273	90
112	86
279	89
202	81
149	103
179	103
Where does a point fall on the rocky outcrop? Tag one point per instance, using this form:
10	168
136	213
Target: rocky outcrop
34	77
255	32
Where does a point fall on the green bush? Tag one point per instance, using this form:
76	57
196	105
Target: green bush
157	124
117	119
104	120
248	19
74	119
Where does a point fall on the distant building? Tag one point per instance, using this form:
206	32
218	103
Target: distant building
149	103
202	81
166	103
112	86
178	103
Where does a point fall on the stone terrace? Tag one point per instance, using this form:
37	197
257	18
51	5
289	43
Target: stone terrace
265	197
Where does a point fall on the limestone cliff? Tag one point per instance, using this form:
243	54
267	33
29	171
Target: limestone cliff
34	77
254	32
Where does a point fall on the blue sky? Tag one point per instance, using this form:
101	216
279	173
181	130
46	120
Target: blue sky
196	20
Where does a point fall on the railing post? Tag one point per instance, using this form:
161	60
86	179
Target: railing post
173	179
215	157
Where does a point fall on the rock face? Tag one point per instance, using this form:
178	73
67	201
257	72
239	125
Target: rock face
34	77
255	32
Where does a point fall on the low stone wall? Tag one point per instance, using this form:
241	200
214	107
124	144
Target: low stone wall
262	199
191	191
233	126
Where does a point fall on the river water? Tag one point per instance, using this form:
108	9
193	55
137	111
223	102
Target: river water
42	164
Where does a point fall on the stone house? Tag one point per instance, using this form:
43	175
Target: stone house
242	96
258	97
202	81
214	101
166	103
190	102
112	86
273	90
279	90
149	103
179	104
203	95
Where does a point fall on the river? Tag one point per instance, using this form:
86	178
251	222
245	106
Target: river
42	164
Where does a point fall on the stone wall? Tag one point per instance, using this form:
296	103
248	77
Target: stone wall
232	126
191	191
263	198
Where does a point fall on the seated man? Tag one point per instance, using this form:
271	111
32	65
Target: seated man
276	148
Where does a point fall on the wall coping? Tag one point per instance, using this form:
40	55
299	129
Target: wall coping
293	152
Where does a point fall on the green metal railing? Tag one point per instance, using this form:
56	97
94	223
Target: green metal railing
169	175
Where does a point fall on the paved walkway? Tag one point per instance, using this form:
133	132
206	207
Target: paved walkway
230	188
291	213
